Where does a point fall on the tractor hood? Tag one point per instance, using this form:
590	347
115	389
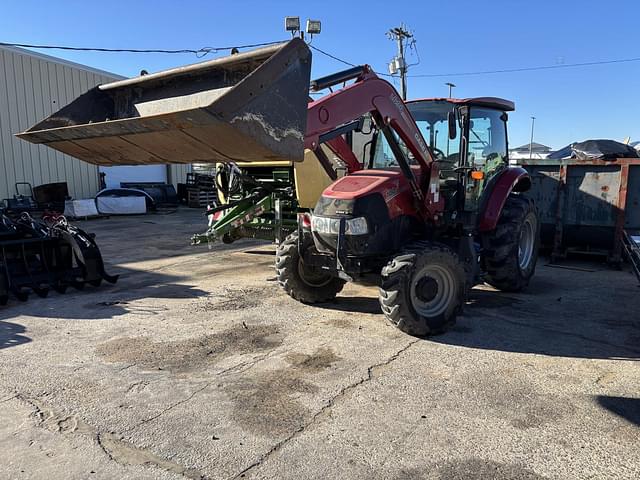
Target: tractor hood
365	182
369	193
249	107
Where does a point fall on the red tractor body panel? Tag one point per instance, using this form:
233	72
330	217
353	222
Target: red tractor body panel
391	184
513	179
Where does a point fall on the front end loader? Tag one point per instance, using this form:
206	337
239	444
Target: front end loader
436	209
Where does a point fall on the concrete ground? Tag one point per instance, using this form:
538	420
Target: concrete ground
197	365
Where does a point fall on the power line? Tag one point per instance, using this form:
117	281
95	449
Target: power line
528	69
201	52
345	62
504	70
332	56
206	50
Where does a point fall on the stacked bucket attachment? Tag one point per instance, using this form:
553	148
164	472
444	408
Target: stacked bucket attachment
39	256
246	107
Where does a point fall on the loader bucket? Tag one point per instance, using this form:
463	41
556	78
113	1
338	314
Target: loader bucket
249	107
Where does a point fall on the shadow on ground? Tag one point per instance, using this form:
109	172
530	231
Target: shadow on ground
107	301
550	319
625	407
10	335
554	317
356	304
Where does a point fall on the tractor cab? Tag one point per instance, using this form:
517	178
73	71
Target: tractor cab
468	139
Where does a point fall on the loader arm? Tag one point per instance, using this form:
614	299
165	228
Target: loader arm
370	94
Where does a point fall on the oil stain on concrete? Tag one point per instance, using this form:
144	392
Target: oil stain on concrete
191	354
321	359
523	408
270	404
232	299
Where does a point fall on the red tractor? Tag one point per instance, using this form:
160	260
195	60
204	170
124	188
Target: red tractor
436	209
433	209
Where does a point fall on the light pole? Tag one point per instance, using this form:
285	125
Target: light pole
451	87
533	122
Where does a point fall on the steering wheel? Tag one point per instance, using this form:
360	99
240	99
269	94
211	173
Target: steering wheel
439	154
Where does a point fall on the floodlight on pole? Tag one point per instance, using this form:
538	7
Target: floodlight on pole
292	24
313	27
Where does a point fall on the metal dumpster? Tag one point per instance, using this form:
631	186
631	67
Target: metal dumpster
585	205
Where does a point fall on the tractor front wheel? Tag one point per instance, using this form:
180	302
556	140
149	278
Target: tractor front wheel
423	289
511	250
302	282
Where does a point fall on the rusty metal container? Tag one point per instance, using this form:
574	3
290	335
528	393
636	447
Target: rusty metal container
585	205
249	107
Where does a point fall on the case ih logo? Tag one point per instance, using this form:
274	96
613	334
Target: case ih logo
404	114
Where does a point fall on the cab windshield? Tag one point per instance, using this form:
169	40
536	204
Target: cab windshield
432	120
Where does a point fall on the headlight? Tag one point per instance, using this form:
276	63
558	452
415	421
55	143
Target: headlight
354	226
357	226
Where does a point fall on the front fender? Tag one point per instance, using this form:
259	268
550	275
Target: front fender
512	179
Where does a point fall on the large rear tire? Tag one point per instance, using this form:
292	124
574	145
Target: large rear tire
423	289
305	284
511	250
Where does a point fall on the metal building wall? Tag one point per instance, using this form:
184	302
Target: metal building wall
177	173
32	87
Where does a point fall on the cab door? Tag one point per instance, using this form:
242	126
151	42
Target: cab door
486	152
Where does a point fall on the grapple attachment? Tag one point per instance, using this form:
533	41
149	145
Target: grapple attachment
36	257
249	107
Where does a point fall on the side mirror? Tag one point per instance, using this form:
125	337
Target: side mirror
453	127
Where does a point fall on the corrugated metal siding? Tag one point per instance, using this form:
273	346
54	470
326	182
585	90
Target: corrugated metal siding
32	87
178	174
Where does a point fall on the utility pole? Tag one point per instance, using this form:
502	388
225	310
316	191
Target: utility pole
533	121
451	87
399	64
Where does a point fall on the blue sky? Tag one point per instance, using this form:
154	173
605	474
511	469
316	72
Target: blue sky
569	104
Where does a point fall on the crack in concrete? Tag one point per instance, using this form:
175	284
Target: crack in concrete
125	453
116	449
141	383
9	398
325	408
240	367
169	408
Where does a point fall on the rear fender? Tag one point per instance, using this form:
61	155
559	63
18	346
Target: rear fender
512	179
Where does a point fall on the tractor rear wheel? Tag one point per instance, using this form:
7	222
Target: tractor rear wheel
511	250
305	284
423	288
